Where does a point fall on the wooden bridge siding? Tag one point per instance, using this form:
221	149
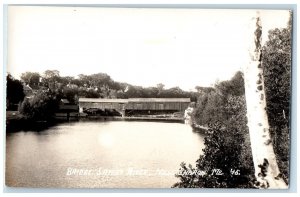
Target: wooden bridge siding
178	106
157	106
101	105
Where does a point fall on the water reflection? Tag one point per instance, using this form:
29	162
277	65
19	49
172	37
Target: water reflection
106	139
43	159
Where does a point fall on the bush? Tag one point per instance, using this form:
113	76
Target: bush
222	162
42	106
227	144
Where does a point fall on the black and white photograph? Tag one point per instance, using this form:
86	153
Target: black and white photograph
128	97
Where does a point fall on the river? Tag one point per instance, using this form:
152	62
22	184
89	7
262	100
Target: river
101	154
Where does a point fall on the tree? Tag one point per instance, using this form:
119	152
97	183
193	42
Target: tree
100	79
40	107
70	93
266	169
92	94
51	77
211	101
84	79
67	80
31	78
209	108
160	87
234	86
201	89
223	110
48	74
174	92
276	61
15	92
226	161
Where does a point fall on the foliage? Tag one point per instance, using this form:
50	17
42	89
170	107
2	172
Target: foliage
276	61
99	85
234	86
15	92
31	78
70	93
226	159
40	107
211	102
206	90
209	107
227	143
51	74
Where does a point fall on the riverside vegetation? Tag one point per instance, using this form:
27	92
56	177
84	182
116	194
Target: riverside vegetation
223	109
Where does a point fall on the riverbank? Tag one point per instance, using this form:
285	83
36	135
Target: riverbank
189	120
199	129
128	118
17	122
14	125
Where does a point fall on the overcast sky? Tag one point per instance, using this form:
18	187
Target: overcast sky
176	47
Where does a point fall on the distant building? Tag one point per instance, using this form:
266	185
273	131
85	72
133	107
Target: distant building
66	110
66	106
64	102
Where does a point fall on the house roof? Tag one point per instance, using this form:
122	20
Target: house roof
65	101
140	100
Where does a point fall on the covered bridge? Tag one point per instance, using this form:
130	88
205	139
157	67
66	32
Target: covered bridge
136	104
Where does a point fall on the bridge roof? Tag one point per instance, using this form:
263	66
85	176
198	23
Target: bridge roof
185	100
139	100
102	100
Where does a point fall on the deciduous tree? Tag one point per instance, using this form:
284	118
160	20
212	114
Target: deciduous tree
15	92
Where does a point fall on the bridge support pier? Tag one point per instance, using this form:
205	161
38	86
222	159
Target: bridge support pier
123	113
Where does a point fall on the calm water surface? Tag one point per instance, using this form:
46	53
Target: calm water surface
99	154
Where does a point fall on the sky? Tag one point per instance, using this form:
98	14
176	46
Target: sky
176	47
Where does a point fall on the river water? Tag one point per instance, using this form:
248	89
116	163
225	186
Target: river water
101	154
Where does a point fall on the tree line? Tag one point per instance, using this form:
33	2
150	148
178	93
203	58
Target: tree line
98	85
49	88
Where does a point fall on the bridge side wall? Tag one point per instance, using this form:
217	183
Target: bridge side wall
101	105
178	106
